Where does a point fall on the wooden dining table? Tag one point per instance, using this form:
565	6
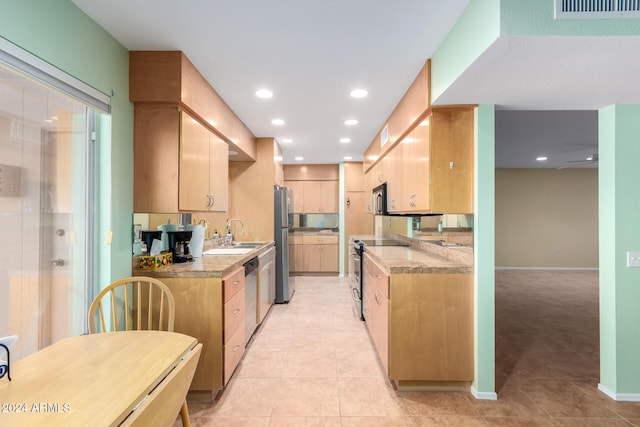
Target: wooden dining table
108	379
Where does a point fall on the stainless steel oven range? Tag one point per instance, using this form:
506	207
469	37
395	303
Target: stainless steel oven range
355	275
356	270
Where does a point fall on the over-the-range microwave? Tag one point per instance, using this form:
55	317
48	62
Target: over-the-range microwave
380	200
380	204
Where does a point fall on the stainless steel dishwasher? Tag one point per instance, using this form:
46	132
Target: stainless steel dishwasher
266	282
251	297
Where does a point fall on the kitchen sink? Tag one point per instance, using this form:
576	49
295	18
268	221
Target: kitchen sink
237	248
228	251
247	244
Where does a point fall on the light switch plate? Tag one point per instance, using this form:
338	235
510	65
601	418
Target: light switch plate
633	259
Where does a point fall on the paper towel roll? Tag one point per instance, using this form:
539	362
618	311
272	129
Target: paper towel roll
197	239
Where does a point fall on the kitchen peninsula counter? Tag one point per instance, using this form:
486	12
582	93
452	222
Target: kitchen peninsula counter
213	299
204	266
417	302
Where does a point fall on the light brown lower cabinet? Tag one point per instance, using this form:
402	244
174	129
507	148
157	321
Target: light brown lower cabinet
377	308
429	324
212	310
320	254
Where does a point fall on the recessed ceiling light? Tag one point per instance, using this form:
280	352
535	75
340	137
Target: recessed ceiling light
359	93
541	158
264	93
287	140
232	153
299	158
348	157
345	140
350	122
277	122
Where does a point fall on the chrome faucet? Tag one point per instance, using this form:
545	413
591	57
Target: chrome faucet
227	228
207	233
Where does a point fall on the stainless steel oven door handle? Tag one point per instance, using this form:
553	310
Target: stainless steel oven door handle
355	294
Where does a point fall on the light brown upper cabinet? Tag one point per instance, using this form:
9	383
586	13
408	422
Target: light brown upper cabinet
432	166
320	197
174	162
203	168
314	196
315	187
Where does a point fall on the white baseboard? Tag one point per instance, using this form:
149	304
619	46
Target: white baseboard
620	397
483	395
550	268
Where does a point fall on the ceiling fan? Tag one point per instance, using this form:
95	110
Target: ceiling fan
591	158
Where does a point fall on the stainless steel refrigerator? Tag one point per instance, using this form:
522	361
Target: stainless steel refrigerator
283	220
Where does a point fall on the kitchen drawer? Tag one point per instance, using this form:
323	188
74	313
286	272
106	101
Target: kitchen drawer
320	240
380	277
296	239
233	315
232	283
233	351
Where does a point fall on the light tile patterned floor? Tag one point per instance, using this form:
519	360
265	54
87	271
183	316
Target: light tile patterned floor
312	363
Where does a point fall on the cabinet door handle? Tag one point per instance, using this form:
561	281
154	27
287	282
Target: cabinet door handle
236	348
376	297
236	283
236	311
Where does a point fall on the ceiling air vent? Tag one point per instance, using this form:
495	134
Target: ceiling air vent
597	9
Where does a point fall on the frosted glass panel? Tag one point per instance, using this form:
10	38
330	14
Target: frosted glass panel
43	213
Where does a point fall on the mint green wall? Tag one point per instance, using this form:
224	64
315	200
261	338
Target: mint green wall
474	32
483	22
536	18
61	34
619	213
484	253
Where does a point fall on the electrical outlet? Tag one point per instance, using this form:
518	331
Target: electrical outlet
633	259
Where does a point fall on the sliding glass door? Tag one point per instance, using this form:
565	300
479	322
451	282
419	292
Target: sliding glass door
46	150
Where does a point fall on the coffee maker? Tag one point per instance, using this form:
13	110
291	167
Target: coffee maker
148	236
179	245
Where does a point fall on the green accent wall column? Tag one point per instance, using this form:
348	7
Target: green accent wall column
483	386
619	217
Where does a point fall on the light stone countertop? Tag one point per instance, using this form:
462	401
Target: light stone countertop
314	233
205	266
421	257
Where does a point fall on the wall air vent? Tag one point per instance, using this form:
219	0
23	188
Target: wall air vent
384	135
597	9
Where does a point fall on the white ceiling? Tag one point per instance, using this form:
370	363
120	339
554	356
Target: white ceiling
312	53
